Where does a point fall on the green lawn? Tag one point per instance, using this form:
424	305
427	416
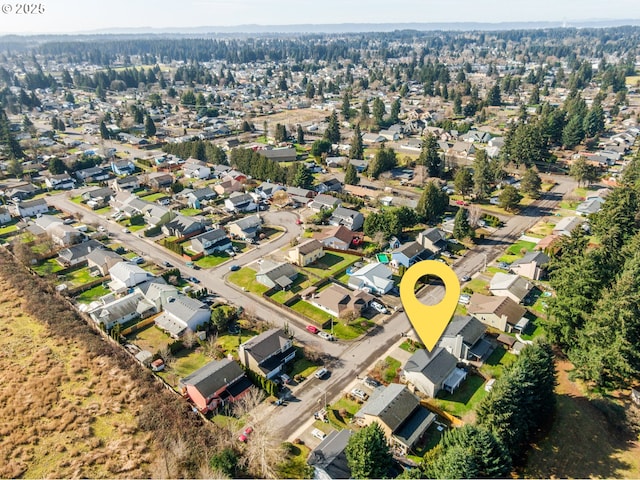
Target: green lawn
391	370
353	330
92	294
497	361
534	329
295	465
520	245
9	228
299	284
465	398
331	263
150	338
153	196
103	211
304	367
77	199
311	312
211	261
228	342
246	278
341	412
431	438
79	277
47	267
477	285
190	212
188	361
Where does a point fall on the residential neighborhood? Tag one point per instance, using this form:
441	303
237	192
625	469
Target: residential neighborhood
236	226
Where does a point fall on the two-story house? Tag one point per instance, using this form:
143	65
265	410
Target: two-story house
211	241
349	218
464	338
240	202
246	228
429	372
432	239
268	353
306	253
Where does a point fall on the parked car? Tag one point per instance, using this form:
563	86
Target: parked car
319	434
126	230
312	329
446	254
356	392
326	336
286	379
378	307
234	268
464	299
465	278
167	264
193	280
371	383
321	373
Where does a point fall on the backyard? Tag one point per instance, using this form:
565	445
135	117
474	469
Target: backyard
331	263
47	267
92	294
300	283
497	362
464	399
151	338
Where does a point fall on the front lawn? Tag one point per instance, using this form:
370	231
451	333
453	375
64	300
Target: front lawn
331	263
341	412
477	285
358	327
246	278
465	398
303	366
312	312
300	283
190	212
213	260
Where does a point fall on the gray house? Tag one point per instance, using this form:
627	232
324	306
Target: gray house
430	372
349	218
215	240
464	338
432	239
273	274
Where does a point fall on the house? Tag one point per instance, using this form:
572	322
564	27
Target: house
462	149
338	238
126	275
432	239
77	254
196	198
389	135
183	313
513	286
22	191
218	383
324	202
160	180
408	254
464	338
64	235
92	174
285	154
589	206
549	244
399	414
126	184
375	278
228	186
532	265
246	228
63	181
335	162
329	459
123	167
268	353
340	302
121	310
128	203
371	138
240	202
31	208
266	190
183	227
476	136
157	215
567	225
211	241
331	185
498	312
101	260
194	168
157	292
5	216
306	253
98	196
430	372
349	218
272	274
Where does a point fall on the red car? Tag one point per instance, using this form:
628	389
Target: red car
459	202
312	329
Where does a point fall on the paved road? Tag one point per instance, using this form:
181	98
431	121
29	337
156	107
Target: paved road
345	360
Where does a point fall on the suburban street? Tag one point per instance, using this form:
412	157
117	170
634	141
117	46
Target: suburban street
345	360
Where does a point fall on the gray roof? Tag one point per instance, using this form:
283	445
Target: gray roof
213	376
392	405
251	221
469	328
540	258
100	256
330	456
436	365
276	270
265	344
434	234
184	307
410	249
240	199
211	235
81	250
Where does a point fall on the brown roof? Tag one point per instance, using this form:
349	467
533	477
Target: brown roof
339	299
341	233
547	242
500	306
360	191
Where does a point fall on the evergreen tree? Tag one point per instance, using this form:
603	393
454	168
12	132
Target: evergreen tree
303	178
493	96
461	227
56	166
572	134
8	140
364	110
395	111
429	156
346	106
531	183
332	133
384	160
432	204
535	96
149	127
593	123
351	175
368	453
509	198
481	175
378	110
582	172
463	181
15	168
357	148
300	135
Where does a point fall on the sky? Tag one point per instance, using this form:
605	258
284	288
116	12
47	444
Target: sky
72	16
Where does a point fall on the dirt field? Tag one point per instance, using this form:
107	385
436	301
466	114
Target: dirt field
292	117
582	443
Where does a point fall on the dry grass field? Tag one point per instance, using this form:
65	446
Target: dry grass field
74	405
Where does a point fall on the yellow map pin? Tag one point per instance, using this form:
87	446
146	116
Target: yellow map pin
430	321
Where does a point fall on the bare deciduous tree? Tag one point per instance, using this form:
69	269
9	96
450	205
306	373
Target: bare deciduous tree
474	214
189	339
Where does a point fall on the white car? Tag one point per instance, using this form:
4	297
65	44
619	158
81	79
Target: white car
321	373
356	392
464	299
378	307
326	336
126	230
318	433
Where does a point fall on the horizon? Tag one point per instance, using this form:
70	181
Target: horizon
251	16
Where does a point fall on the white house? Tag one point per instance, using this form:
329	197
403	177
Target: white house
122	310
126	275
375	277
31	208
513	286
181	314
194	168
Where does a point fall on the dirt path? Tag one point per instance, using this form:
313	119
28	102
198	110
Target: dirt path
581	442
